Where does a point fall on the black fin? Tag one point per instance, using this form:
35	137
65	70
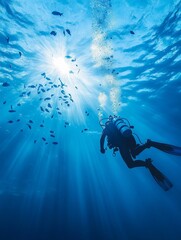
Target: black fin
168	148
160	178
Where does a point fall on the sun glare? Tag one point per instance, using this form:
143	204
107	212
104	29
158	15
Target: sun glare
60	65
62	79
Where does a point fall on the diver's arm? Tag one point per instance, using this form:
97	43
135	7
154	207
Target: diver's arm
102	141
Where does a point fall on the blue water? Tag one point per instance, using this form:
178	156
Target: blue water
63	73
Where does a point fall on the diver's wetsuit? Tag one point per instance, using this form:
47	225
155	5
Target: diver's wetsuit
127	145
128	148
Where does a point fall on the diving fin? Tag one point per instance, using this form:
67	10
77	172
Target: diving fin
168	148
160	178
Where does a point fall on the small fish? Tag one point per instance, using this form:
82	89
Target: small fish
53	33
55	143
51	131
67	123
42	109
52	116
46	99
12	111
107	58
19	104
49	105
71	72
68	31
57	13
55	86
44	139
43	74
73	60
47	110
32	86
47	78
67	56
43	90
35	141
5	84
10	121
51	135
18	120
4	102
28	94
20	54
30	121
62	84
41	125
59	113
132	32
85	129
28	125
63	32
7	39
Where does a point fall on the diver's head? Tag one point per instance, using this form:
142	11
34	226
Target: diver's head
110	117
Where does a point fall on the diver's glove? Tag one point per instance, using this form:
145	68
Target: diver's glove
102	150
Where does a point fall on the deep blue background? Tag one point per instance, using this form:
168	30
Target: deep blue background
70	190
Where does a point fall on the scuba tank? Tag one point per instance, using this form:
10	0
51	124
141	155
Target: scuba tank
122	126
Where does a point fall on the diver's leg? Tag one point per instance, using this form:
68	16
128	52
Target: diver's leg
128	159
140	148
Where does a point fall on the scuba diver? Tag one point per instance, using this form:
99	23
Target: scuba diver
120	138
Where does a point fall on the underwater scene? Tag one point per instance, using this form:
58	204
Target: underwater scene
90	137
